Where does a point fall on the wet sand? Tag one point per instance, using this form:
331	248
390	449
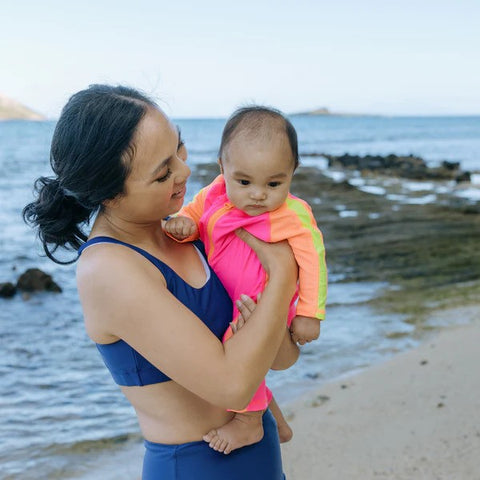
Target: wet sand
416	416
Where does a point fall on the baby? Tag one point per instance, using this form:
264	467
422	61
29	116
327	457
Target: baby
258	156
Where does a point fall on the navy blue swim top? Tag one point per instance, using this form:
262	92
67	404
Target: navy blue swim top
210	303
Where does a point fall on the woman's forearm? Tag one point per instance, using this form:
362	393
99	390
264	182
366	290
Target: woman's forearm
288	353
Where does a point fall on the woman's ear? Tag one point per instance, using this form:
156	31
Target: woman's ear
110	203
219	161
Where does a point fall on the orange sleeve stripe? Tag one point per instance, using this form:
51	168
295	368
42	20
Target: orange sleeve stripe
295	222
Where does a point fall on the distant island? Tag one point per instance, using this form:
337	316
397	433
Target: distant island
324	111
13	110
317	111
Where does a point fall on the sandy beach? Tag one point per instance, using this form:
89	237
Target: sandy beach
415	416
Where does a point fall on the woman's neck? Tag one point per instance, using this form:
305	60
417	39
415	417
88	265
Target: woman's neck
136	234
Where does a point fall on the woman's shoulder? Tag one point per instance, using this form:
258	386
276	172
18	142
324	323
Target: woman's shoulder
110	281
112	266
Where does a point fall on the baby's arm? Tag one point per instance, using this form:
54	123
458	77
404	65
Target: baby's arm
295	223
304	329
181	227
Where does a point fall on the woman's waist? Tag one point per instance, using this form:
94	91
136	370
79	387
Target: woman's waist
169	414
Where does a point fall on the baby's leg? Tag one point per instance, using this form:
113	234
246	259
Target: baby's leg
285	433
243	429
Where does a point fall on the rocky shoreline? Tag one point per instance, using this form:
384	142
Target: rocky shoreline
400	166
428	252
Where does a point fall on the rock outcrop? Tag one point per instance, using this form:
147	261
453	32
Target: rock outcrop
32	280
13	110
401	166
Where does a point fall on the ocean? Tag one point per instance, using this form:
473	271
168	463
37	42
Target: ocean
62	415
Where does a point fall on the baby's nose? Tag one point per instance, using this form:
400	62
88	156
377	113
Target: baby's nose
258	194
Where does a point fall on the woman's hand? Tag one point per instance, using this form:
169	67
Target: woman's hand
245	306
276	258
287	353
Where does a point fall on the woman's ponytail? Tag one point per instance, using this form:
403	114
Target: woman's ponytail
58	215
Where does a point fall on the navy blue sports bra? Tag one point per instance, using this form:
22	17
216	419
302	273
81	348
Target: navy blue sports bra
210	303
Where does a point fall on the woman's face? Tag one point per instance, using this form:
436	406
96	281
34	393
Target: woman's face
156	185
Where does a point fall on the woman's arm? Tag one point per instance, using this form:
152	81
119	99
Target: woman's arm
288	353
126	297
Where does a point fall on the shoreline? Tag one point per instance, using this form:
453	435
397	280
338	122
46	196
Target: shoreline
412	416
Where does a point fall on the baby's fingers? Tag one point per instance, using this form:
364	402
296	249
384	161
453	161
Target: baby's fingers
297	339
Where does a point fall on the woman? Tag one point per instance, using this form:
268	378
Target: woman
153	307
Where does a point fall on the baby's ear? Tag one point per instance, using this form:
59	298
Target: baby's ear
219	161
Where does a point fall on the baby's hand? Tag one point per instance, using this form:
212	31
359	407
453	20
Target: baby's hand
304	329
180	227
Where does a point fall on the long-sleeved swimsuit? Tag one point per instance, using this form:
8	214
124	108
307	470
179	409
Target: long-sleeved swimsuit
237	265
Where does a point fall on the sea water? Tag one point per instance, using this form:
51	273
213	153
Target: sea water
61	414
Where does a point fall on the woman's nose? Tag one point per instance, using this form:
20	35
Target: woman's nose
182	171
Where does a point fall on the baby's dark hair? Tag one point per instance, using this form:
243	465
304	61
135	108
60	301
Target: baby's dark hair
91	152
258	121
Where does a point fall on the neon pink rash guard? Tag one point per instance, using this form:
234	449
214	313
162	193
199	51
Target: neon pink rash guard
237	265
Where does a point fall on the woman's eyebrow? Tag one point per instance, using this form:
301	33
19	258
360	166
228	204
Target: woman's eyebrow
161	166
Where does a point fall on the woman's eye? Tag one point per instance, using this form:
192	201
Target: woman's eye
244	182
165	177
274	184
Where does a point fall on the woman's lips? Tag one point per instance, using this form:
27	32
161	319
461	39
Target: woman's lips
180	193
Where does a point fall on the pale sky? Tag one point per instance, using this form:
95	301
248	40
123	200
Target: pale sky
205	58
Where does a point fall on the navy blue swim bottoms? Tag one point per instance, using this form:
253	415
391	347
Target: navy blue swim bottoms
197	461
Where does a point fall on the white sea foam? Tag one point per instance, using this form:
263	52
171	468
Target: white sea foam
317	162
422	200
348	213
475	178
357	182
373	189
418	186
335	175
471	193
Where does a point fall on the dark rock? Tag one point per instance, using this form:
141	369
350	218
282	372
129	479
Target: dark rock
35	280
7	290
401	166
463	177
451	165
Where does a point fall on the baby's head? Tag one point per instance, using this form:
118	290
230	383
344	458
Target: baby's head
258	156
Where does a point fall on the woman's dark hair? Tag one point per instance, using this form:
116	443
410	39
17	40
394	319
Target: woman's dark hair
258	121
90	155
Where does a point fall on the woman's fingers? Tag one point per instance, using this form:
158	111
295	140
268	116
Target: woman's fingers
245	306
271	255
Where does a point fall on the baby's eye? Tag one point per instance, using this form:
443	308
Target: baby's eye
244	182
274	184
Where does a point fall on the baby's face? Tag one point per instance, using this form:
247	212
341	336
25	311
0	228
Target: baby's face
258	173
